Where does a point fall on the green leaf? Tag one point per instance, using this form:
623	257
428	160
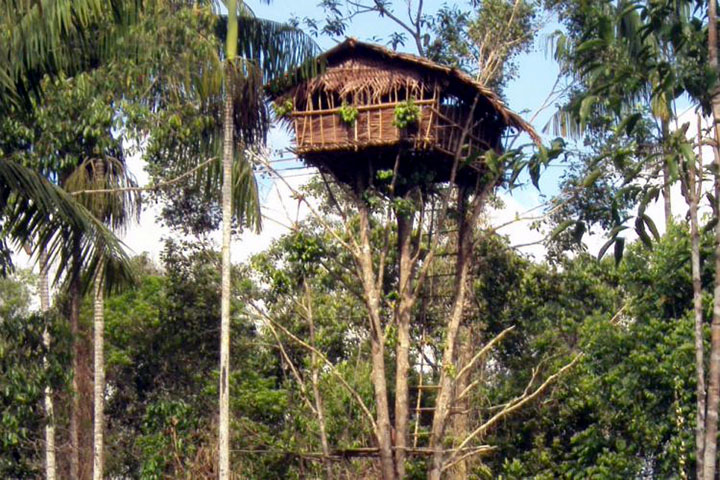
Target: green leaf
592	178
534	171
651	225
708	227
605	248
628	124
560	229
686	150
590	45
586	107
619	249
642	234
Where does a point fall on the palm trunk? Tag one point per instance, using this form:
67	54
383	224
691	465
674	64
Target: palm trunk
694	192
224	421
402	351
224	433
99	386
713	394
372	298
50	466
74	293
81	407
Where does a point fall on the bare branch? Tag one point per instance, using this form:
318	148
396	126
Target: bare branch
264	162
484	350
472	453
333	371
149	188
517	403
295	372
467	390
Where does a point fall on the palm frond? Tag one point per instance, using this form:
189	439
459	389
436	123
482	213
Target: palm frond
40	37
276	49
34	211
246	201
116	207
565	122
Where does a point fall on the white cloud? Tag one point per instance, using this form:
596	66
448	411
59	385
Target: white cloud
513	221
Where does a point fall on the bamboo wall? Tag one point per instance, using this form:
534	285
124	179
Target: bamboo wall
439	127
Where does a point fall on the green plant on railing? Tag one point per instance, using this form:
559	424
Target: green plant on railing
283	109
406	113
348	113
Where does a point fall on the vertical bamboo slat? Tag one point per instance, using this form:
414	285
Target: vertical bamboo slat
335	129
322	129
429	127
304	131
368	114
297	138
380	121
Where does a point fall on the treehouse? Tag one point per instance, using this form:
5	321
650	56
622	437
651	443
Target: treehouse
370	107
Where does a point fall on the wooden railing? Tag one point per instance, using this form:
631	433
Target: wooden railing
439	128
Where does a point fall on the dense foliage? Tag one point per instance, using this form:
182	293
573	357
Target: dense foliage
604	350
624	411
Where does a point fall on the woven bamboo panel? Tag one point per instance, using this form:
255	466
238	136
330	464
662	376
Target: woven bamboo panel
439	128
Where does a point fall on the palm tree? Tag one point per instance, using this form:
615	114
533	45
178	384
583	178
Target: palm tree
115	207
34	211
713	392
261	41
50	462
229	89
227	160
37	39
39	213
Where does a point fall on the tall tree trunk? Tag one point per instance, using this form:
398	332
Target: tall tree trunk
82	399
224	427
372	299
99	397
402	350
460	422
50	464
75	404
694	192
228	141
443	403
713	394
316	384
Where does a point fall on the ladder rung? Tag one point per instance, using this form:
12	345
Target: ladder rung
452	410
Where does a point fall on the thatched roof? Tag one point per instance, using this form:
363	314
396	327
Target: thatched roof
354	66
